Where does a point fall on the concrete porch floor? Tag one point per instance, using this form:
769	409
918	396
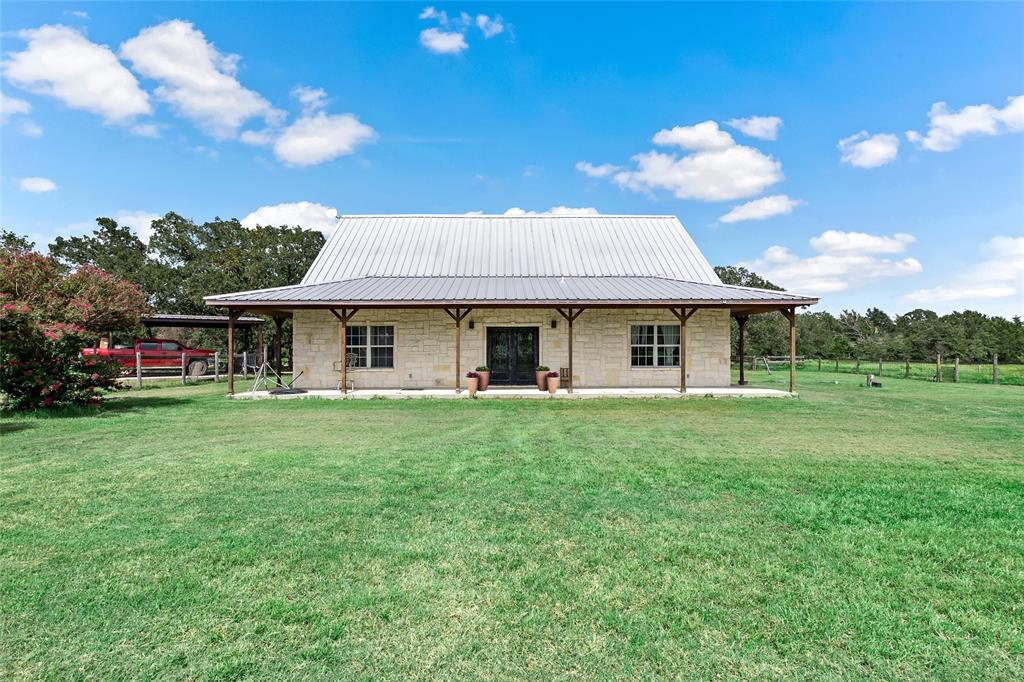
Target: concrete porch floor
495	392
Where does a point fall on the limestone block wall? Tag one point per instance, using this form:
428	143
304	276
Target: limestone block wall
425	347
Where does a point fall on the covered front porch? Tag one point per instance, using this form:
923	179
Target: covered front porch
432	346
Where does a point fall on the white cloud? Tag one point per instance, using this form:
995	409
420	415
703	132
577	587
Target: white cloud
602	171
306	214
838	265
206	151
706	135
77	13
257	138
869	151
553	211
60	62
431	13
735	172
321	137
717	170
311	99
195	79
999	276
490	27
845	243
947	129
761	127
443	42
760	209
37	185
146	130
139	221
10	106
30	129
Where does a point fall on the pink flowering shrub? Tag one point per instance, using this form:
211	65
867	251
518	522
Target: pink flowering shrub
41	366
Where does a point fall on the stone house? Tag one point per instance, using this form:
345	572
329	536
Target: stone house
413	301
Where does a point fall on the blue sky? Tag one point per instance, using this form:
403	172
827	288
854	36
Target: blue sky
248	109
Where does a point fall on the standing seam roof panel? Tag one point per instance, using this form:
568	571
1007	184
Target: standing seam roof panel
538	246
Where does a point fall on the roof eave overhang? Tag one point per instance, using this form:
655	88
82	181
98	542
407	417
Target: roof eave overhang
699	303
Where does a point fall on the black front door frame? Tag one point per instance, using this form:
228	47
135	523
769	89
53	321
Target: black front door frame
518	376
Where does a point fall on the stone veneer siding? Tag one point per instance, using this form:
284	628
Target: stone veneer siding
425	346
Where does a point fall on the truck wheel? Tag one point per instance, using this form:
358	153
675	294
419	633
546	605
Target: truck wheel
197	368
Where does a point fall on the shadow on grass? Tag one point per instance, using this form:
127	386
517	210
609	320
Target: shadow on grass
116	406
7	426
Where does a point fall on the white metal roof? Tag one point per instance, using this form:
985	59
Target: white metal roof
510	246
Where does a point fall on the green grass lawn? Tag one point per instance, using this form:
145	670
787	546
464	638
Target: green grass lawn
847	533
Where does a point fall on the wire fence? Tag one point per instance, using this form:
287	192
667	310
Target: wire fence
948	370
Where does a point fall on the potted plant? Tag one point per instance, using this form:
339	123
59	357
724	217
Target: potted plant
484	372
472	380
542	377
552	378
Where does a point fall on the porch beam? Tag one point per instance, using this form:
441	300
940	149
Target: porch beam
458	315
259	342
790	314
683	315
343	318
570	316
232	316
741	321
279	324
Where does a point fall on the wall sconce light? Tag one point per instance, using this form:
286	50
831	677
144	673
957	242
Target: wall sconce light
471	325
554	324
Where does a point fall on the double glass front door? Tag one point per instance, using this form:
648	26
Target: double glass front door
512	354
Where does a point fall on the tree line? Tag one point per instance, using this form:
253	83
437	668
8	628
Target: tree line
185	260
917	335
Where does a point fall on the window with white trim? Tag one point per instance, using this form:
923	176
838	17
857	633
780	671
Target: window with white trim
654	345
370	346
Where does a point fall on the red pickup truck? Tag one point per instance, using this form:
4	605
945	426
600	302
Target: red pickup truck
157	353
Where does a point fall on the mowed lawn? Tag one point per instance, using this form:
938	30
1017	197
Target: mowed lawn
851	532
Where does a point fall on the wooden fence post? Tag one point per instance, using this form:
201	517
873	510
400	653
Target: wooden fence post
879	366
182	369
995	368
856	366
956	370
245	364
819	364
938	368
216	367
138	368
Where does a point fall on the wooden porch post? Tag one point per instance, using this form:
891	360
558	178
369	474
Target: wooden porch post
570	317
790	314
682	316
741	321
259	342
458	316
279	324
345	316
232	316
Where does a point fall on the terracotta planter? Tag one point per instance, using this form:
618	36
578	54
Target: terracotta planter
471	383
485	380
542	380
553	385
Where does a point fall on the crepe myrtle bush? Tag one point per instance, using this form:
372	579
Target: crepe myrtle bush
41	366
